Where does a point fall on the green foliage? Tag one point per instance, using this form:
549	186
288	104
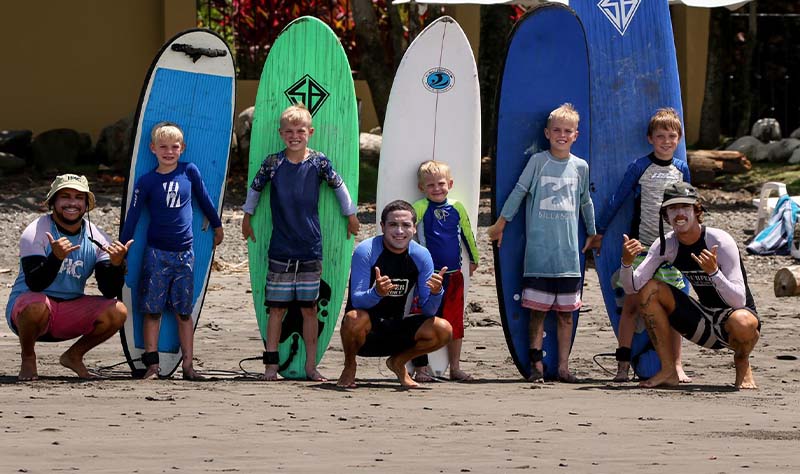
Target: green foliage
760	174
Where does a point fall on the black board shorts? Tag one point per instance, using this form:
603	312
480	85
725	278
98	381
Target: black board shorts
700	324
391	336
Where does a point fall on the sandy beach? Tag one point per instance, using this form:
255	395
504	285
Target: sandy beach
498	423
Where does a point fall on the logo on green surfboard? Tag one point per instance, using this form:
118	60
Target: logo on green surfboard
309	92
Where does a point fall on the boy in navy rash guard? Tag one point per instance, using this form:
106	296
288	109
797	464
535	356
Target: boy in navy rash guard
167	279
295	247
386	270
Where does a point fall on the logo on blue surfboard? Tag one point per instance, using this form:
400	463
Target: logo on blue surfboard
309	92
438	80
619	12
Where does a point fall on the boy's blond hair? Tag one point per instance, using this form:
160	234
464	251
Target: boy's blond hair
565	112
433	168
296	114
666	118
166	131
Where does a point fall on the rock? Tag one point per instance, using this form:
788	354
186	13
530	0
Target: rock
16	142
795	134
61	148
114	145
763	151
241	129
10	163
795	158
781	151
746	144
766	130
369	147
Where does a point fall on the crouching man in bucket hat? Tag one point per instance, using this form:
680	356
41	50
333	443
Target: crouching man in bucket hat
724	313
58	252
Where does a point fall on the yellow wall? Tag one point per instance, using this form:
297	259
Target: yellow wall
690	27
80	64
75	64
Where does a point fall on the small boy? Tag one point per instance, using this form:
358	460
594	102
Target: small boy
646	178
167	279
442	224
556	184
295	248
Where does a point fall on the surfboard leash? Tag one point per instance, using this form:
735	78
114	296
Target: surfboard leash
610	354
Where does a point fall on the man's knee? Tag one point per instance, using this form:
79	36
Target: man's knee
656	292
440	329
116	314
742	326
35	313
355	322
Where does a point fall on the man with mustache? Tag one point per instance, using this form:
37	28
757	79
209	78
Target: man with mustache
58	253
724	315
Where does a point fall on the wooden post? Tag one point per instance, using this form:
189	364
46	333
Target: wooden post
786	281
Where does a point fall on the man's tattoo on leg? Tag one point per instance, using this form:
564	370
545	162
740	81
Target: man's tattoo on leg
649	317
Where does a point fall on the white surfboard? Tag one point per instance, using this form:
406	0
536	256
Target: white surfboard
434	113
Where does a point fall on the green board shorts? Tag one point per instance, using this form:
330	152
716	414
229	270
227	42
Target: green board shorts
666	273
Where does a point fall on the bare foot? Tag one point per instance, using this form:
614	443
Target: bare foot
348	377
422	375
190	374
27	369
682	377
567	377
152	372
270	373
536	376
315	376
75	365
666	378
622	372
459	375
401	372
744	376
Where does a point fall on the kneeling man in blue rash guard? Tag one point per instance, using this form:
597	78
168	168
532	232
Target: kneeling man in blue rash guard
386	269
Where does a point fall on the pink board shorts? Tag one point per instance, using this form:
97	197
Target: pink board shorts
68	319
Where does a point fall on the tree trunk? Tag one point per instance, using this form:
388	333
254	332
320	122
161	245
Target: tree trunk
495	26
374	67
718	54
746	118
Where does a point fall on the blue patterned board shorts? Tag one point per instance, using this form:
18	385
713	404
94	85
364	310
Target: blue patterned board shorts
167	282
293	281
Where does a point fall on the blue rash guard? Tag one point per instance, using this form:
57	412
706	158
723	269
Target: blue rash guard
294	202
646	178
441	226
409	271
168	197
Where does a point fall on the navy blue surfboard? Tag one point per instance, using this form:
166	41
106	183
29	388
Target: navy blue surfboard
191	82
546	64
634	71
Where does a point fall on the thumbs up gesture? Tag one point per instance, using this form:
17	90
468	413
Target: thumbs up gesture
383	284
630	249
435	281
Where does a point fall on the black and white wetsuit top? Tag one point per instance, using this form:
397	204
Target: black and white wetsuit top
725	288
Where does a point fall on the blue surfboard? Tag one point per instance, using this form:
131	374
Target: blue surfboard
634	71
191	82
546	64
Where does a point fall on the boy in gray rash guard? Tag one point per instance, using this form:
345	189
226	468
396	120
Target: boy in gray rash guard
724	315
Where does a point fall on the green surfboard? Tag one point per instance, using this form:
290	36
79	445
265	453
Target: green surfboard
306	64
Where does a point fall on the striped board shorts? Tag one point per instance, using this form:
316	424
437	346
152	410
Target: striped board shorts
700	324
292	281
546	293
